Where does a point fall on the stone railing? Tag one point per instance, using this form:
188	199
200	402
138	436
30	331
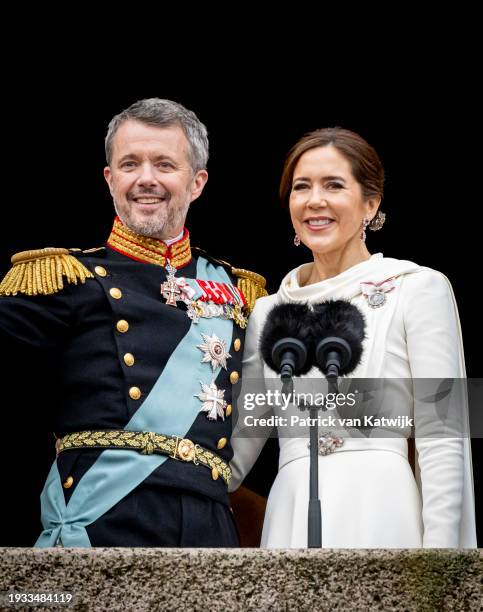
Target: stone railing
247	579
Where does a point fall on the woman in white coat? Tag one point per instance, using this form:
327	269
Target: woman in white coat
333	185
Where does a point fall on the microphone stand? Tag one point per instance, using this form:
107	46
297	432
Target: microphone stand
288	351
315	511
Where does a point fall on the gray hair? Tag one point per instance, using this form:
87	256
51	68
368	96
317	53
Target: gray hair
163	113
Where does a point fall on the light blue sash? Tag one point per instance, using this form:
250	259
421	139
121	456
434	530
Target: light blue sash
170	408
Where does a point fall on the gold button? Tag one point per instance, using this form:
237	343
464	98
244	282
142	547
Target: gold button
228	410
122	326
234	377
135	393
129	359
68	483
221	443
115	293
100	271
215	473
237	344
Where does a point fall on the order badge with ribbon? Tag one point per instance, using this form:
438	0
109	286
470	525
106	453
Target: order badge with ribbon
376	293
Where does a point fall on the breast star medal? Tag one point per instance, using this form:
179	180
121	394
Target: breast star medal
214	351
213	402
375	293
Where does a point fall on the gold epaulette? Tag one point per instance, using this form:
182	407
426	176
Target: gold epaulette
41	272
251	284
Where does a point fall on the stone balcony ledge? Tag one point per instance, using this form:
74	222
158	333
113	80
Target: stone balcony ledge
247	579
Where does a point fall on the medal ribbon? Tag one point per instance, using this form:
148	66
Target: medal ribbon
220	293
369	288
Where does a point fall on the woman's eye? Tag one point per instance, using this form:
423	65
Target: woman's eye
334	185
299	186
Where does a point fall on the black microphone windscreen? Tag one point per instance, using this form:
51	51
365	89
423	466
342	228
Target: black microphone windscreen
341	319
286	321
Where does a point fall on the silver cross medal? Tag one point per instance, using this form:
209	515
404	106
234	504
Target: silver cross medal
170	289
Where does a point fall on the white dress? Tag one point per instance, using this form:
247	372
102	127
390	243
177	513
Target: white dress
369	495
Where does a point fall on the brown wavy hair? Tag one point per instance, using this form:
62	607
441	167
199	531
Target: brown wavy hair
365	163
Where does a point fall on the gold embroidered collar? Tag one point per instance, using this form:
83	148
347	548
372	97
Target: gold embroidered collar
149	250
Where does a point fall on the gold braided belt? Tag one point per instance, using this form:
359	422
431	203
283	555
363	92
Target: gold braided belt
147	443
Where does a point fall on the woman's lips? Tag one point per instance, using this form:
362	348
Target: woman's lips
319	227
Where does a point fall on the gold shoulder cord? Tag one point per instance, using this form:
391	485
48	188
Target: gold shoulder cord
42	272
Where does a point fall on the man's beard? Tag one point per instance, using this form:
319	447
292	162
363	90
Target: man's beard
165	224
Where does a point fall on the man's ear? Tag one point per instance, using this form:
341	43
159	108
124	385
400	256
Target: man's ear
199	181
108	177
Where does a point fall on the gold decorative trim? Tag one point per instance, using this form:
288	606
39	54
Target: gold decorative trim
251	284
149	250
42	272
147	443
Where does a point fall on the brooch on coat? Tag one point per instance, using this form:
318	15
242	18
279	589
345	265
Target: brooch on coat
375	293
328	443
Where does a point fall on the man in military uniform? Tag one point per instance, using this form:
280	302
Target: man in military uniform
150	332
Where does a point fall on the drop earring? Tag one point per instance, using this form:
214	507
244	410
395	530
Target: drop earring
296	240
365	223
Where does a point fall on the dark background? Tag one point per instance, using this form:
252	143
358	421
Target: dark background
422	124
